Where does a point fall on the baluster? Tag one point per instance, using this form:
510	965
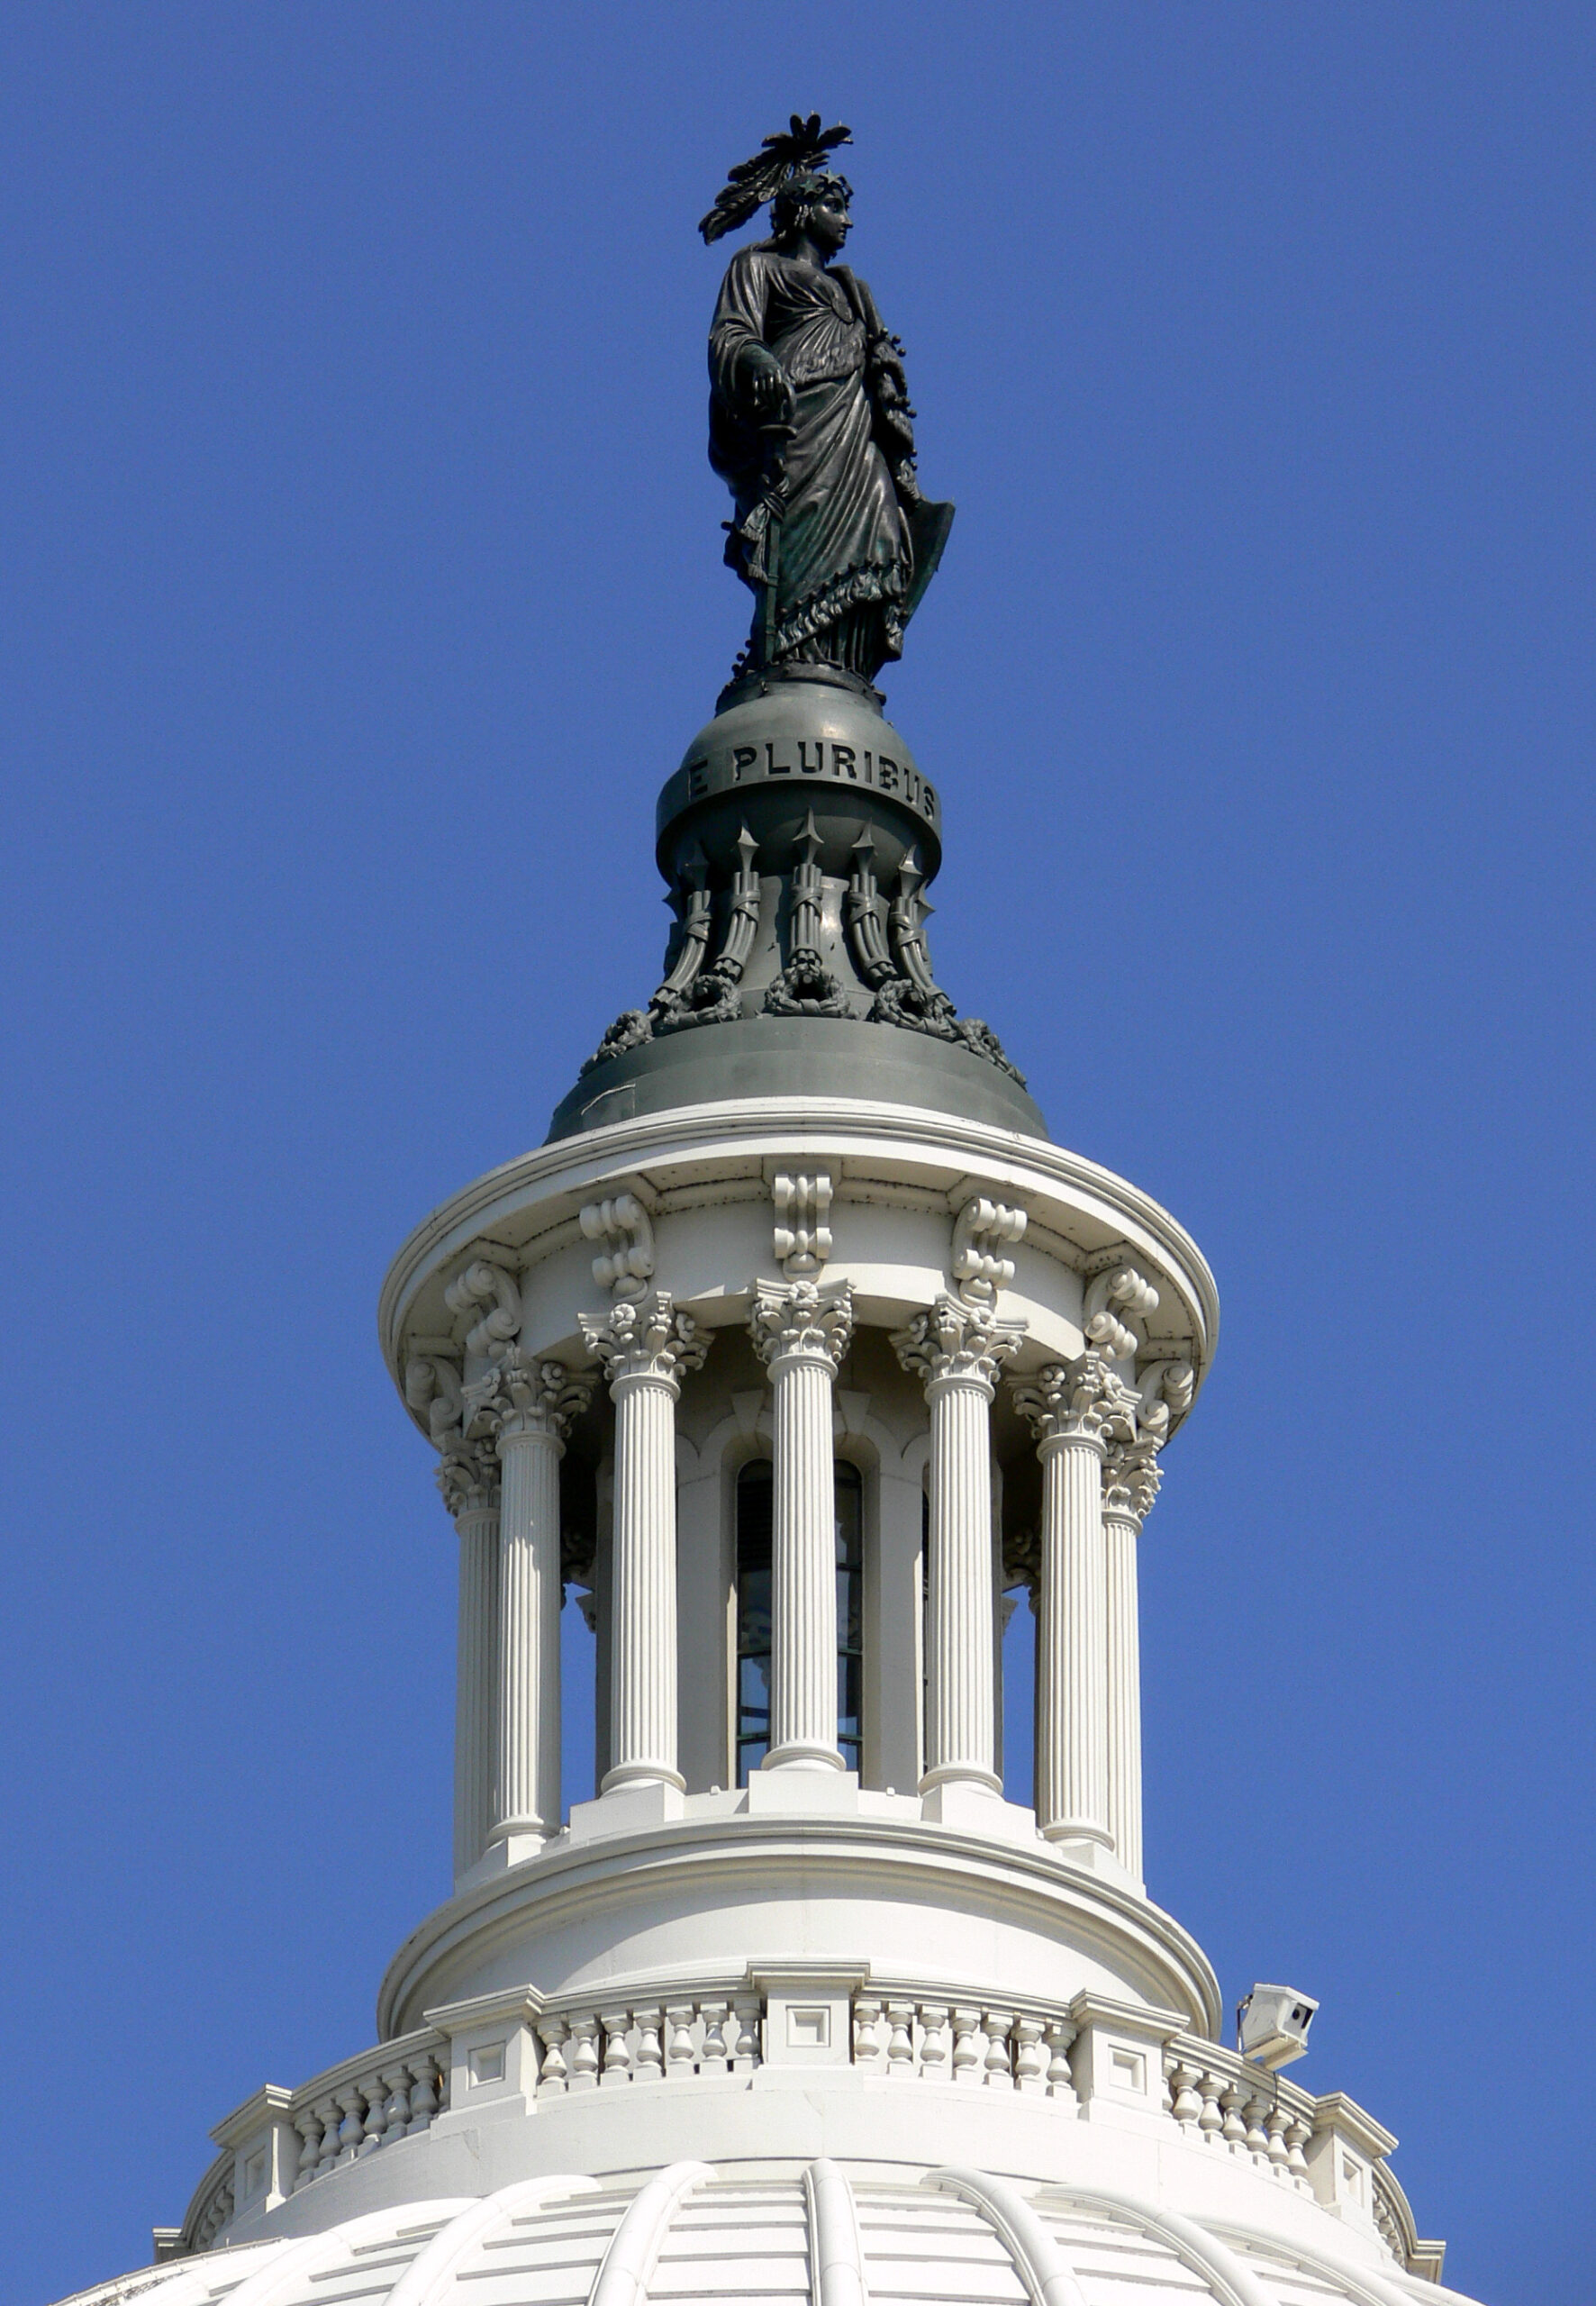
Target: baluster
1232	2098
1031	2060
1280	2120
714	2057
350	2130
617	2062
396	2081
969	2048
552	2076
650	2059
426	2094
681	2057
1296	2139
934	2043
1257	2136
585	2058
867	2030
899	2045
377	2114
1210	2121
748	2011
1000	2074
309	2146
1186	2104
1061	2082
328	2113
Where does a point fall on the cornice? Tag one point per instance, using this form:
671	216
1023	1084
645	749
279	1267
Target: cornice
852	1132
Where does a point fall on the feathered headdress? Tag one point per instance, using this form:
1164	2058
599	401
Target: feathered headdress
798	149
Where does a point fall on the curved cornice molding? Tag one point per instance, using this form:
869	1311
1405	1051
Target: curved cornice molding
577	1170
591	1879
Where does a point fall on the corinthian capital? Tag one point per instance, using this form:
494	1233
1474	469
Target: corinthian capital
1081	1400
951	1339
646	1341
802	1319
1131	1478
524	1395
467	1476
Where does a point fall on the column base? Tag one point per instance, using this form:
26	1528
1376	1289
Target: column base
797	1793
630	1773
797	1755
1093	1857
499	1856
978	1809
984	1781
1077	1829
631	1807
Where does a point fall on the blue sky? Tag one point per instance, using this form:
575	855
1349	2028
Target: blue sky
361	585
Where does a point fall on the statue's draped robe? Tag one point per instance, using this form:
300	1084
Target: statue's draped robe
844	547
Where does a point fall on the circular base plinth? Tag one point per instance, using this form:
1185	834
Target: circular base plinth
826	1058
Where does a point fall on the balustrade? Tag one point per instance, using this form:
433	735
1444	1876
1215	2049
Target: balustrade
1212	2098
396	2096
1218	2099
605	2047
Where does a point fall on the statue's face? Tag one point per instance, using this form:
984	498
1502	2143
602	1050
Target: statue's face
829	225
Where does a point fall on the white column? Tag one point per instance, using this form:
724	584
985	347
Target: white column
958	1349
644	1348
801	1335
1068	1406
529	1404
469	1477
1130	1484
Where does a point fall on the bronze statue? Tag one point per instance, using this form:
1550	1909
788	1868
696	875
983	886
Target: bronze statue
810	426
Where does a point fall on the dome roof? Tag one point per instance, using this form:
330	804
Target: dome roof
820	2237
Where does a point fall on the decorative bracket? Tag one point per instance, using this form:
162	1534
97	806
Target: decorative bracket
803	1236
433	1386
625	1265
977	1270
1115	1294
1166	1391
486	1284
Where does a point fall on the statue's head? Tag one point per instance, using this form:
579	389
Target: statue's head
815	203
789	170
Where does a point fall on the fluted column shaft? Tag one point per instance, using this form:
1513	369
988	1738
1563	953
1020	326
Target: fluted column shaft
1131	1484
802	1336
529	1404
958	1348
644	1348
1072	1644
469	1479
527	1788
1065	1405
643	1606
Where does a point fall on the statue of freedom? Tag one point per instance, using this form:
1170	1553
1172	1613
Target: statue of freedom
810	426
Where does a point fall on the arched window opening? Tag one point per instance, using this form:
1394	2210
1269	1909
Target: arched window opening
754	1500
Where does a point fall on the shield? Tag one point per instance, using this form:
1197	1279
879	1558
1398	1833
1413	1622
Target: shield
928	525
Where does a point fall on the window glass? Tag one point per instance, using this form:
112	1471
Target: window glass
753	1617
849	1491
754	1510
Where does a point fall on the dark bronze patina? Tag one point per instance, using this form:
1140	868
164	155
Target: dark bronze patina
810	426
798	837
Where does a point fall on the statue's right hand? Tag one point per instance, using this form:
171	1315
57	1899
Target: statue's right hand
769	392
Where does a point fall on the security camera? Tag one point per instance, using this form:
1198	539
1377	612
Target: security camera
1272	2025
